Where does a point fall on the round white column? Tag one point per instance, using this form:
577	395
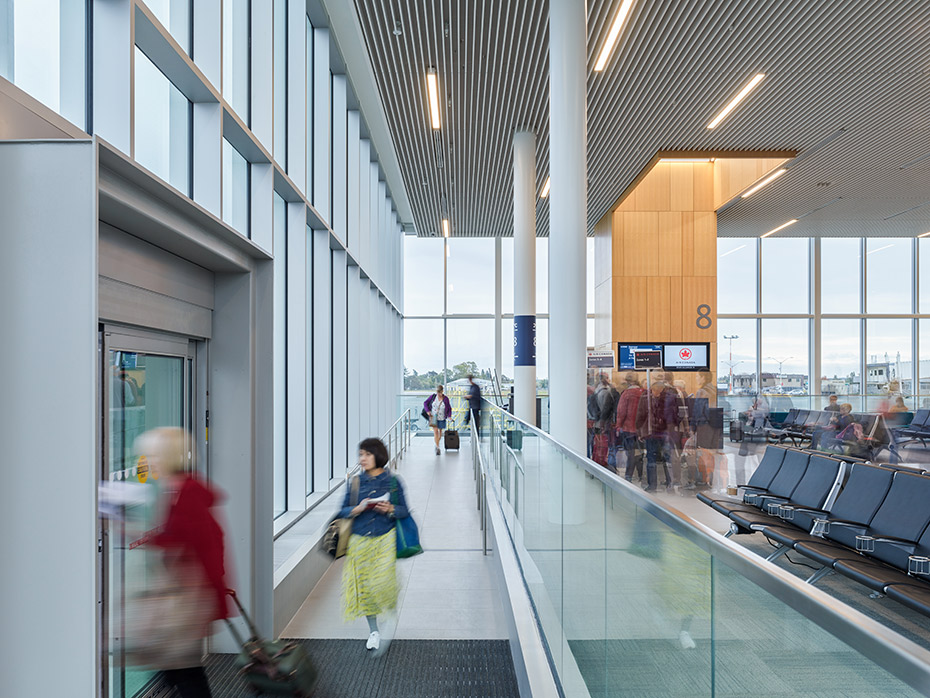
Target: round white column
567	221
524	275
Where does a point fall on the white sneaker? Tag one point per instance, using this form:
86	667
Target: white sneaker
684	639
374	641
438	453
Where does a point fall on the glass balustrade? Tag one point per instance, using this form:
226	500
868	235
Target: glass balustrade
635	599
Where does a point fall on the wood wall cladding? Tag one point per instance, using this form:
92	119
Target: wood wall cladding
664	252
662	238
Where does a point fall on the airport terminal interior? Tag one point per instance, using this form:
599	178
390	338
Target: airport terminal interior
490	348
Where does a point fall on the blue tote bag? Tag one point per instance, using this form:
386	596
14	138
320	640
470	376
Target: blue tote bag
408	537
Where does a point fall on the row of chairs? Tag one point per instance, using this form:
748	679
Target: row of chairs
917	430
799	427
868	522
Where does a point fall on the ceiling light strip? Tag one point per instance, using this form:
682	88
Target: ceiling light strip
781	227
545	190
613	35
771	178
743	93
432	91
445	227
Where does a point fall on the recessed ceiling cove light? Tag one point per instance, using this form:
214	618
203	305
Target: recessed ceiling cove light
771	178
612	36
736	100
445	227
432	91
545	190
783	225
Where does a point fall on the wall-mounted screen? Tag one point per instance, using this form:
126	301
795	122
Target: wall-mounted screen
626	356
687	357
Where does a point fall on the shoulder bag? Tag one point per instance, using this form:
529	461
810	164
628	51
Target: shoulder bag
336	539
408	537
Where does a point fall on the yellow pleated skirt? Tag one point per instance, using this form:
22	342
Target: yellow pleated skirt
369	577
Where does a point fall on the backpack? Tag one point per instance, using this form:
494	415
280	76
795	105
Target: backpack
594	411
609	410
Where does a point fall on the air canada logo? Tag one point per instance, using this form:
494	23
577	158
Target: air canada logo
685	353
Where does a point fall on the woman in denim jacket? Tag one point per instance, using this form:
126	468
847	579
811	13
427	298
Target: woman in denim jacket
369	579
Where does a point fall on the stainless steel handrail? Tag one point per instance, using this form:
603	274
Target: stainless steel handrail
404	441
901	657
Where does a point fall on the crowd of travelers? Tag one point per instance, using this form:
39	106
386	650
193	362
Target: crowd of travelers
651	417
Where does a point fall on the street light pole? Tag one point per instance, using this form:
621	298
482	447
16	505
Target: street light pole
731	337
780	362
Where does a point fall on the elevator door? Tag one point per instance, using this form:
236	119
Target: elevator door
149	381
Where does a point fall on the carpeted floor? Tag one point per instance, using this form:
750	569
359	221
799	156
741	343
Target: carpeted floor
427	668
744	669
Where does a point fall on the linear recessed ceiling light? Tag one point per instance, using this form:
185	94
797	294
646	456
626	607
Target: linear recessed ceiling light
736	100
783	225
923	235
735	249
686	159
432	91
445	227
545	190
612	35
771	178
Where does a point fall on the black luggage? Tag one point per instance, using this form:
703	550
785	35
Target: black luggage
736	431
273	667
451	439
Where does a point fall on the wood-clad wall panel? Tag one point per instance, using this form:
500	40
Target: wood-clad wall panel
663	251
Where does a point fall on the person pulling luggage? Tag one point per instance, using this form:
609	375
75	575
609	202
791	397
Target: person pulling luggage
439	409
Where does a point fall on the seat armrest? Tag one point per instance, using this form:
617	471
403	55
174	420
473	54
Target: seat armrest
814	512
900	542
848	524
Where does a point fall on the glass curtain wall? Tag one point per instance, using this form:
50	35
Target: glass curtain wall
808	318
449	298
175	16
42	51
162	133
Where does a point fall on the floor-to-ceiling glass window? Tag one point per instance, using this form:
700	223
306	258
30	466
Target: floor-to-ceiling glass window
236	186
162	129
280	355
175	16
280	82
42	51
840	356
888	274
854	333
236	59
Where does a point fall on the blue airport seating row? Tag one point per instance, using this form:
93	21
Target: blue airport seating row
868	522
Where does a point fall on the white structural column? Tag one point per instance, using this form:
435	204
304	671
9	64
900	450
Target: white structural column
524	275
567	221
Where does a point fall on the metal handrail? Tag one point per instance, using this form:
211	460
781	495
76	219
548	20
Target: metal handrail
901	657
394	457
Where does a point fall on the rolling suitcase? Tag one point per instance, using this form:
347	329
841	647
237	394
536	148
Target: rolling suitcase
736	431
272	667
451	439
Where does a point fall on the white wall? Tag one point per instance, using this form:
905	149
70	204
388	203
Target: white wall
48	427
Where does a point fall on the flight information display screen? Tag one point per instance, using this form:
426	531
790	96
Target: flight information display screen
626	356
686	357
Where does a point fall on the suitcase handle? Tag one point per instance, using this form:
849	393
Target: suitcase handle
248	619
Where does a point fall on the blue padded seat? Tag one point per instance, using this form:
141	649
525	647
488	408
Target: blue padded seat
760	480
861	496
902	516
815	492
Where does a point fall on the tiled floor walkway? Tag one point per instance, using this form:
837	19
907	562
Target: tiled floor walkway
448	592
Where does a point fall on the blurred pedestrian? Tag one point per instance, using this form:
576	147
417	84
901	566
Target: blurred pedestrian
369	577
193	558
474	406
439	409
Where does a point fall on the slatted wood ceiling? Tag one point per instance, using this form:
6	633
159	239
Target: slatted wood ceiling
848	86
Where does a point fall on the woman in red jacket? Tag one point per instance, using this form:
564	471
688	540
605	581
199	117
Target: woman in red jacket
192	544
